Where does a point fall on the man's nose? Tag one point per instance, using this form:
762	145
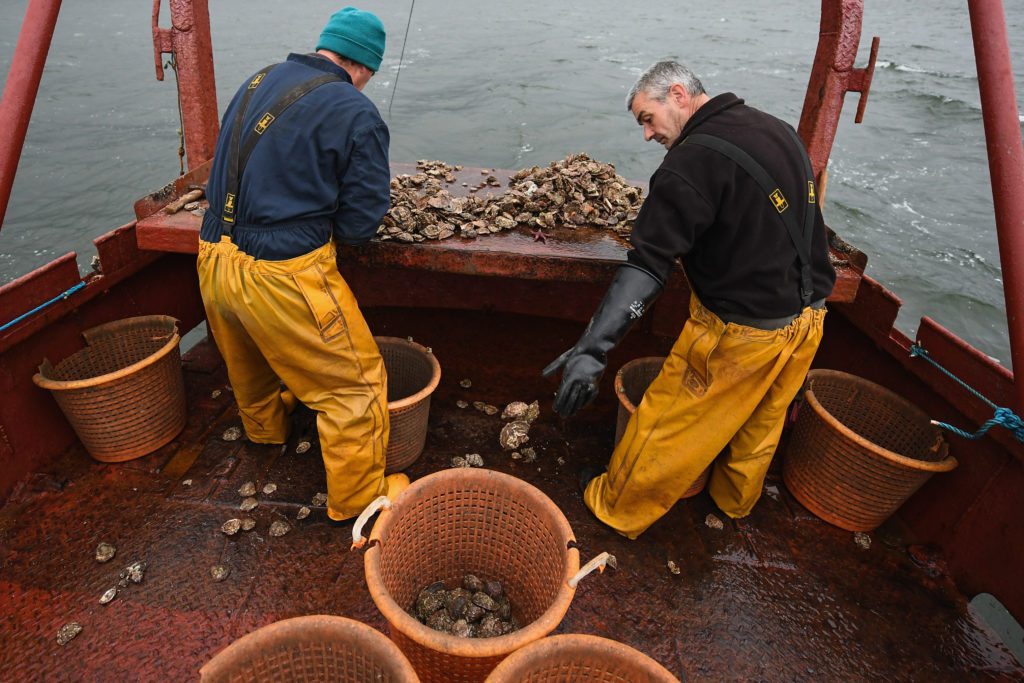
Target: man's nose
648	133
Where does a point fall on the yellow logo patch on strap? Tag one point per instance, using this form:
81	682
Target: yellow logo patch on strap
779	200
256	81
811	197
229	208
264	123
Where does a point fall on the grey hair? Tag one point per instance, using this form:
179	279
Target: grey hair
660	77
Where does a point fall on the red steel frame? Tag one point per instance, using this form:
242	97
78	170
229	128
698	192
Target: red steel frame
22	85
1005	162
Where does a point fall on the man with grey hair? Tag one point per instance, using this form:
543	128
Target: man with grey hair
735	200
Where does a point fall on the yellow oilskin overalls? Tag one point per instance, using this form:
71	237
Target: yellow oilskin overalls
297	321
721	385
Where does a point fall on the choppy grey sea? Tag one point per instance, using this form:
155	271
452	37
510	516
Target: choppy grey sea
519	83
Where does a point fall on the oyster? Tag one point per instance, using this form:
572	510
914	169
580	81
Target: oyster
219	572
105	552
459	461
493	589
440	621
302	447
462	629
108	595
279	528
515	411
485	408
232	434
134	572
504	611
302	513
231	527
713	522
481	599
319	500
268	489
68	632
514	434
529	454
466	383
248	489
248	524
862	540
474	460
490	627
673	567
430	600
248	505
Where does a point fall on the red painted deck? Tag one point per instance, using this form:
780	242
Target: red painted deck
782	596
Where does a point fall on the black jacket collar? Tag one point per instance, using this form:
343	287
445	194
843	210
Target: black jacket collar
715	105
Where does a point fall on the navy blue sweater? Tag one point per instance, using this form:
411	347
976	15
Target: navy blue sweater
321	168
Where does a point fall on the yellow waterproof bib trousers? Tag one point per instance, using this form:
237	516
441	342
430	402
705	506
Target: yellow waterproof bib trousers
297	321
721	385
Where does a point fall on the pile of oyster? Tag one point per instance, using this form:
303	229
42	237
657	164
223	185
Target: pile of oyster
476	609
576	191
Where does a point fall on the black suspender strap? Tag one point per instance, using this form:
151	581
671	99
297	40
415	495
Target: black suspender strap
801	238
234	173
240	153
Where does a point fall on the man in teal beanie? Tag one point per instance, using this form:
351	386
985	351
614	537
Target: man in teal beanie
300	166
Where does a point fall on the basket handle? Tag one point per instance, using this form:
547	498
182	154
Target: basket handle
598	563
358	541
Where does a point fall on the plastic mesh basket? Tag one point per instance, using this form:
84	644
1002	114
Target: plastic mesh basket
631	382
572	658
124	393
470	521
413	375
310	649
858	451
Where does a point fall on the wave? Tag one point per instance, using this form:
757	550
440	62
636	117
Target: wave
909	68
941	101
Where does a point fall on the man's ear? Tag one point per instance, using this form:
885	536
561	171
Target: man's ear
678	95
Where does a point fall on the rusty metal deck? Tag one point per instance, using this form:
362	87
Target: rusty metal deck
782	596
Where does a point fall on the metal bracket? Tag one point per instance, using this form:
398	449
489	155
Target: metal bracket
162	41
860	80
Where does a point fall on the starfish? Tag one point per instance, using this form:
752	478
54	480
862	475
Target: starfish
539	236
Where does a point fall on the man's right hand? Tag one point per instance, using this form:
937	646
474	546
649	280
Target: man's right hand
581	373
629	295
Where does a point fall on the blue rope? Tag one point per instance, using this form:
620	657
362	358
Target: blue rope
59	297
1004	417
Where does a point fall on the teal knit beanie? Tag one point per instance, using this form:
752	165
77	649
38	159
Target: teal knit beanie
356	35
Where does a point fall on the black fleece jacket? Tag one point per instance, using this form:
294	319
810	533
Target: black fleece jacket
702	207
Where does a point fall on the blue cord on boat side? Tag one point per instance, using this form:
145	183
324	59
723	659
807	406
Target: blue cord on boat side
1003	417
59	297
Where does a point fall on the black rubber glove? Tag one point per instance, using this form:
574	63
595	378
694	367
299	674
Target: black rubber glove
631	292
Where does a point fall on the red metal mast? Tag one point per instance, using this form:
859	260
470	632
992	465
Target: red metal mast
22	86
1005	163
189	41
